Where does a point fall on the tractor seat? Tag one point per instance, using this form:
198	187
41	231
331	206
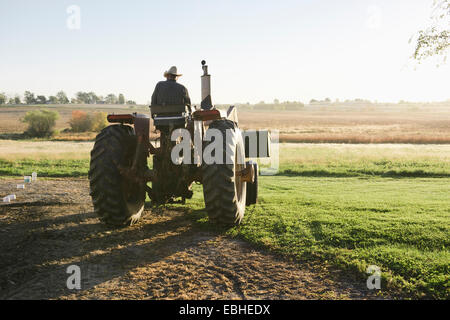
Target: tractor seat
169	115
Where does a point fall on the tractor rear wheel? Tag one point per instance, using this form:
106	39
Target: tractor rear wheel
118	201
223	189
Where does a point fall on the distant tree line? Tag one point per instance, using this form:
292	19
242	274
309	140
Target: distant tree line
275	105
61	98
337	101
296	105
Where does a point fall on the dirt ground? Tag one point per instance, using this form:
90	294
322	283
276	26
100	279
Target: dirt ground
51	225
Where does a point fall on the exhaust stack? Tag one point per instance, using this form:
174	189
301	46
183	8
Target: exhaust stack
206	103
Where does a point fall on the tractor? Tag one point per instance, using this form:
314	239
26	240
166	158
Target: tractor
119	176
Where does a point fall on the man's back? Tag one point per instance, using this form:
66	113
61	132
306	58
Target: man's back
170	92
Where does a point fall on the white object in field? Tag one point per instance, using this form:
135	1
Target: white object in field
27	178
6	199
34	176
20	186
12	197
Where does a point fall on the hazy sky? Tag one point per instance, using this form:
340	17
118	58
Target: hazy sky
256	50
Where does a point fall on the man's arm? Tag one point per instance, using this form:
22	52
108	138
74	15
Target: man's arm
187	100
154	95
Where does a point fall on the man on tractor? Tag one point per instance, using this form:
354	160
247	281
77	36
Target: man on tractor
170	92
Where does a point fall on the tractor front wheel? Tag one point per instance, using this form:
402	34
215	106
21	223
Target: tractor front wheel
223	188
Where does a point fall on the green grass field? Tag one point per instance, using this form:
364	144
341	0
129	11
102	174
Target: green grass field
401	225
340	205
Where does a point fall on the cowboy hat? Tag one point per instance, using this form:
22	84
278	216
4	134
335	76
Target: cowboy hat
172	71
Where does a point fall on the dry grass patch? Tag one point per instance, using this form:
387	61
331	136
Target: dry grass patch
38	150
377	124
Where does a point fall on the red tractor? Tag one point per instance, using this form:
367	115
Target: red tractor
119	174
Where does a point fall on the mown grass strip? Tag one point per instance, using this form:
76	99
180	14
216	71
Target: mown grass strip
45	168
399	225
80	168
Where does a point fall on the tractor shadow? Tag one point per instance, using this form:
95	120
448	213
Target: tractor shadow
36	252
39	242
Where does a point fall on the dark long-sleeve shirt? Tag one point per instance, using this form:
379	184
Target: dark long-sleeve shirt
170	92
